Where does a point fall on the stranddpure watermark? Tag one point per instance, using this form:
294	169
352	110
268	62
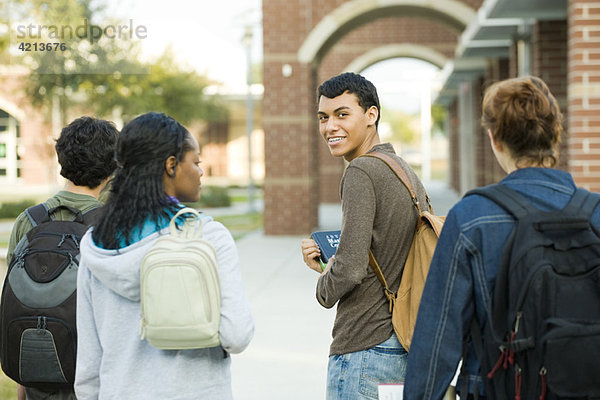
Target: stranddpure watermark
29	38
85	30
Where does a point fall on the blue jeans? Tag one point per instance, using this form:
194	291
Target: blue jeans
357	375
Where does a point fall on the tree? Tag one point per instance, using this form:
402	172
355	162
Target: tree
167	87
99	69
438	116
402	125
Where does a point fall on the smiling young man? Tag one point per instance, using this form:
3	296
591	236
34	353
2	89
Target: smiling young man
378	214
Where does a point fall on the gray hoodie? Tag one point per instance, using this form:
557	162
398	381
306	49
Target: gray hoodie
112	361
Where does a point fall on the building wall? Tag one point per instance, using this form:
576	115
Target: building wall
583	93
550	59
35	166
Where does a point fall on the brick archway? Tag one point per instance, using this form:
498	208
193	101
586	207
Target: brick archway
348	15
386	52
305	42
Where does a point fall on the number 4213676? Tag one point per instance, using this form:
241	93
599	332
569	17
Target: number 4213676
42	46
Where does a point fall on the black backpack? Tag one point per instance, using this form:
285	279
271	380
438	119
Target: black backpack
542	339
38	339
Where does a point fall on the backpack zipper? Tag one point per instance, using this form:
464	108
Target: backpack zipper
63	237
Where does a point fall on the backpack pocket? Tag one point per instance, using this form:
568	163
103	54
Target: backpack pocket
43	351
39	359
571	350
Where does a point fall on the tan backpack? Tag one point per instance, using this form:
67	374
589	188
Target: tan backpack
404	304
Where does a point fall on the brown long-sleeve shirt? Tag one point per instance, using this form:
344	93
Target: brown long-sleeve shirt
378	213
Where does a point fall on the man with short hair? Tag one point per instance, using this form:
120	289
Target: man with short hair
85	150
378	215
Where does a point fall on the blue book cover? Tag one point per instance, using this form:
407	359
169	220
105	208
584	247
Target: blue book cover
328	243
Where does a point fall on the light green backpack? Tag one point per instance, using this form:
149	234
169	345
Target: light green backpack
180	290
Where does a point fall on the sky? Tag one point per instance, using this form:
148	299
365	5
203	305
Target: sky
400	82
205	34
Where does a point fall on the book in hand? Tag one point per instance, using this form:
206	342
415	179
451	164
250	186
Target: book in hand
328	243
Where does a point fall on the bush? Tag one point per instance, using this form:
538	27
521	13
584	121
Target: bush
13	209
214	196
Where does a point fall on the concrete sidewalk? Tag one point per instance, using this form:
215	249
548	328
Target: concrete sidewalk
288	356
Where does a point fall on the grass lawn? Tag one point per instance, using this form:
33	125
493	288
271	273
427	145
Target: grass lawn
242	224
8	388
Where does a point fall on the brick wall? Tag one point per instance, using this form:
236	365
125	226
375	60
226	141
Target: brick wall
549	62
39	165
584	93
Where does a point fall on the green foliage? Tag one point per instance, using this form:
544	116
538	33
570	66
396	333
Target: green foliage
13	209
212	196
438	117
402	125
101	71
215	196
168	88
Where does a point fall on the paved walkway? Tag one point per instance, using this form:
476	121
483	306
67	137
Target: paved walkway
288	356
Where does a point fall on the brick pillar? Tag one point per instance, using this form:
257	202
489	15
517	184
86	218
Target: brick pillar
291	175
549	62
584	93
291	162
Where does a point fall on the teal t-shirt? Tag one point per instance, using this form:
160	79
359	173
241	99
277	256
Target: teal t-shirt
151	227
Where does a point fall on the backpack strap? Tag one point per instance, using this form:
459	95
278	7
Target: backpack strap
40	213
37	214
91	216
402	176
583	202
75	211
391	296
507	198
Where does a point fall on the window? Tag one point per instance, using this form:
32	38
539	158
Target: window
9	143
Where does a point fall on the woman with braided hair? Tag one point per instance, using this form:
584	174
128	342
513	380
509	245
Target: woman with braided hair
158	167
